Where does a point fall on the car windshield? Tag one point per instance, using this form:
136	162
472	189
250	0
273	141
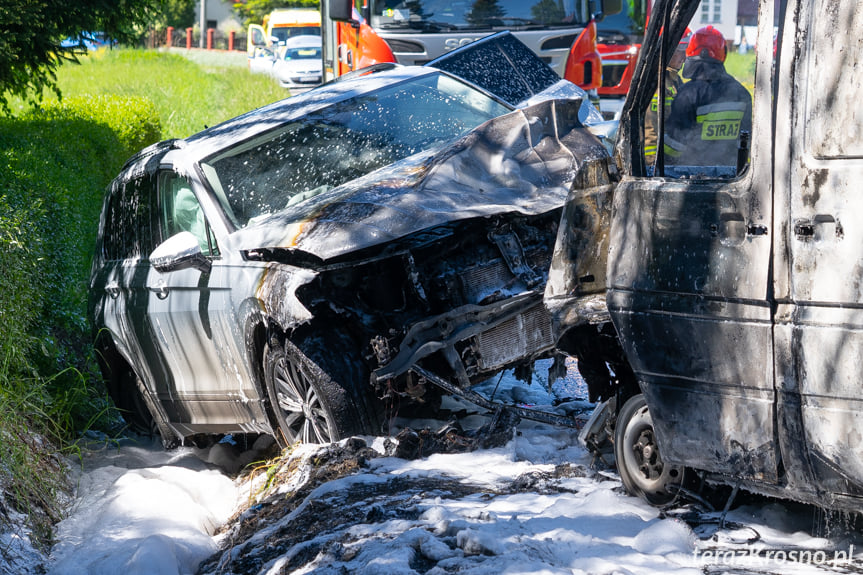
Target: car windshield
342	142
285	32
440	15
303	53
628	23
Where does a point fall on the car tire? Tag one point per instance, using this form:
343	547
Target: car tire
126	389
639	462
317	393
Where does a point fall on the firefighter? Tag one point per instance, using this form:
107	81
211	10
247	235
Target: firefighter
673	83
710	110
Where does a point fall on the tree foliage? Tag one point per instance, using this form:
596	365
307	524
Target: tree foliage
485	12
30	45
253	11
177	13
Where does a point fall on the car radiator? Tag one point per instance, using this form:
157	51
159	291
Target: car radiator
519	337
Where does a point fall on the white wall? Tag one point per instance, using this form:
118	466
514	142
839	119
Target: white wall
222	12
727	17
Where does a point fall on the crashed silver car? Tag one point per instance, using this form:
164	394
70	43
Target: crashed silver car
311	267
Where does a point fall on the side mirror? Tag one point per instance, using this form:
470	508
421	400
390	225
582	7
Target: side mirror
341	10
611	7
179	252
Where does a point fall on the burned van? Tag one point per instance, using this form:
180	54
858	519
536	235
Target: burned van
735	286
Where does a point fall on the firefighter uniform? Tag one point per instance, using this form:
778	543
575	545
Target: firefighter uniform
673	84
710	110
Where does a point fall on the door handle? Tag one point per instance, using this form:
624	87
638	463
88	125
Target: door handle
756	230
732	229
804	229
821	227
161	290
113	290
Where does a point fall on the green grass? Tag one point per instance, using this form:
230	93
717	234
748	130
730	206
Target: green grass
55	163
187	96
742	67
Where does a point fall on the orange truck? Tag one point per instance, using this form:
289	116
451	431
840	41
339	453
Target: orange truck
562	32
619	43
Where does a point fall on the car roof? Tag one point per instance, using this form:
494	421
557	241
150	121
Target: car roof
303	41
295	16
185	153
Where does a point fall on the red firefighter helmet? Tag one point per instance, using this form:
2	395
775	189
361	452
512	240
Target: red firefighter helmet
707	41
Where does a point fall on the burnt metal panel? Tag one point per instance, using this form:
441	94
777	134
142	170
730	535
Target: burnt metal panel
575	291
820	327
689	284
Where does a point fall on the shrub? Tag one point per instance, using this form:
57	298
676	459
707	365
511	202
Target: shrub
54	166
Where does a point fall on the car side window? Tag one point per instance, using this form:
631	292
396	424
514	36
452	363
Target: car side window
130	228
706	105
181	211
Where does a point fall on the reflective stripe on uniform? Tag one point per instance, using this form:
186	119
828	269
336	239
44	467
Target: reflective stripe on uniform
720	121
673	147
654	102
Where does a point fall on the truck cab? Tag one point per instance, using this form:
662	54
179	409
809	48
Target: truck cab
562	33
278	26
727	296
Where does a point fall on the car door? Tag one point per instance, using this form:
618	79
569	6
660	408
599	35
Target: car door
187	312
819	330
689	279
130	232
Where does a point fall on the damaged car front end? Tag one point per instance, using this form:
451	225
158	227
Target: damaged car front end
312	267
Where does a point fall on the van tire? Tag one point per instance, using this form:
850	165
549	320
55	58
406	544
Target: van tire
639	461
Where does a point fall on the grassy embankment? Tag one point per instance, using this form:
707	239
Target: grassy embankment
54	166
742	67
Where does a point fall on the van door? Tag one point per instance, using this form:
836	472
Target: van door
819	333
256	41
689	276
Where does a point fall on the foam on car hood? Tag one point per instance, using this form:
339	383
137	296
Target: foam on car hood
523	162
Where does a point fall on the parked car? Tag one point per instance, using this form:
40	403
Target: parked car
299	65
311	267
261	60
91	41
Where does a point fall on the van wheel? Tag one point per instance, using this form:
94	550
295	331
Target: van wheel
639	462
316	395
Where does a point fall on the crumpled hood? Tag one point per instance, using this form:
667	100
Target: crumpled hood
521	162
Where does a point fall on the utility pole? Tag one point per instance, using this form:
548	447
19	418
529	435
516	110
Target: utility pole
203	23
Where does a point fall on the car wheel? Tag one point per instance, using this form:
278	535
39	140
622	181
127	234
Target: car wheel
639	462
126	391
316	395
